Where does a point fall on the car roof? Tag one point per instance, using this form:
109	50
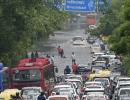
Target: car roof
79	76
125	88
73	80
58	96
86	65
77	36
124	83
92	82
124	78
31	88
99	53
60	86
94	89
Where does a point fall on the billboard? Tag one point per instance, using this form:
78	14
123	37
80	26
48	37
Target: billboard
80	5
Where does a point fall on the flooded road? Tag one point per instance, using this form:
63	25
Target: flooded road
63	39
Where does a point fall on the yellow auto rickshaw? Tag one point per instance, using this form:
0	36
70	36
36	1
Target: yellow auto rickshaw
6	94
101	73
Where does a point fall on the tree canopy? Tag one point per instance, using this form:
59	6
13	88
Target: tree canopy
116	24
22	22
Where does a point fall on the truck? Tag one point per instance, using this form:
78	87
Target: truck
91	19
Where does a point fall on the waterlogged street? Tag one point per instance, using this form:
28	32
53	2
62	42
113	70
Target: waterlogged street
87	58
64	39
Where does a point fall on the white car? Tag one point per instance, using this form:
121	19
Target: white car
31	93
95	96
95	55
92	83
94	91
122	79
92	27
124	94
70	92
95	48
63	88
59	97
123	84
79	77
78	40
104	81
78	83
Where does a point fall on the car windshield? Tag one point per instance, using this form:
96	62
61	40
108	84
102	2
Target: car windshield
27	75
97	68
93	93
31	91
103	81
96	98
125	92
77	38
66	91
124	81
93	87
88	84
73	77
124	85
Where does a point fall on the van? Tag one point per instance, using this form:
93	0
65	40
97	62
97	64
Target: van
95	48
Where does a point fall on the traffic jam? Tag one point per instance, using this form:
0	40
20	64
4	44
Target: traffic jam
35	78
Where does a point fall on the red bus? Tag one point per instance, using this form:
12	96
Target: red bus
33	72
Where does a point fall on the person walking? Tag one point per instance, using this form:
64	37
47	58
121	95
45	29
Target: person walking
36	54
32	55
67	70
73	58
62	53
75	68
59	50
52	59
41	96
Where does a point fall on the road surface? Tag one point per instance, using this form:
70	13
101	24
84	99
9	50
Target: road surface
63	39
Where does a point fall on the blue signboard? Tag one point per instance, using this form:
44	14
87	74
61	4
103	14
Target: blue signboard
80	5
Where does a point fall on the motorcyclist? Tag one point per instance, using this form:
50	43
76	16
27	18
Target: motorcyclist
67	70
17	97
41	96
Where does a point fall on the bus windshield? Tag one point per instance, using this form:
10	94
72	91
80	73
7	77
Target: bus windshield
27	75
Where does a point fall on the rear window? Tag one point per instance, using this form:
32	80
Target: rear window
103	81
125	92
124	80
96	98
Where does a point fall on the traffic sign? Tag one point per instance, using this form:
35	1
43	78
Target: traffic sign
80	5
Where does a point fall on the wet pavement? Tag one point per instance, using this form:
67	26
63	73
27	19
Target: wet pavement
63	39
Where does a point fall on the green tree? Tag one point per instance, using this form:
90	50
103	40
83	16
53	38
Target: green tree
22	23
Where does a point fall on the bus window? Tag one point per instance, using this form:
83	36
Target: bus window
27	75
